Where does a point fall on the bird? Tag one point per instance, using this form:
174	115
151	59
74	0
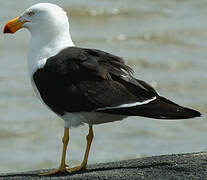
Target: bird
84	85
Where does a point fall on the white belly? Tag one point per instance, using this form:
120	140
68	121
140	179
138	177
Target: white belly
91	118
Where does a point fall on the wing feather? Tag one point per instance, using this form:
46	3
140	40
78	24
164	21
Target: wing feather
78	79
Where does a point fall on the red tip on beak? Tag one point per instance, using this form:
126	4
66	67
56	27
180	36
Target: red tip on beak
6	29
13	25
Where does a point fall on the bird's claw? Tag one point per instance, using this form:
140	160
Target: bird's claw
76	169
59	170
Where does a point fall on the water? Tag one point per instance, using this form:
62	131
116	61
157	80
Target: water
164	41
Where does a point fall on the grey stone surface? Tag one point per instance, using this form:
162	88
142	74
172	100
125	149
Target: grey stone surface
180	166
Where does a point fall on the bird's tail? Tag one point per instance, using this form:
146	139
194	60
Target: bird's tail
160	108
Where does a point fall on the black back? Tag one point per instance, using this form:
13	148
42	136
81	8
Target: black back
87	80
78	79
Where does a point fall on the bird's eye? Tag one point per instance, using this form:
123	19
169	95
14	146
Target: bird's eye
31	13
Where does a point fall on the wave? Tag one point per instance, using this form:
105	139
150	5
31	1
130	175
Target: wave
176	38
113	11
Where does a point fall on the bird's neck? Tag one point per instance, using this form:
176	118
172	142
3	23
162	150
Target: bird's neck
44	46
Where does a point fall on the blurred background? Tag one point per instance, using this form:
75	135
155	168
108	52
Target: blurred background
165	42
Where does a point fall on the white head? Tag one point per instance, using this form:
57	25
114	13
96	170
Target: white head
42	16
46	18
45	21
49	28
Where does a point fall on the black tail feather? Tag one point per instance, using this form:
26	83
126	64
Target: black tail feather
160	108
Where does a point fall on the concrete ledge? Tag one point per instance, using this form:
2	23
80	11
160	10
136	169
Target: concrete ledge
180	166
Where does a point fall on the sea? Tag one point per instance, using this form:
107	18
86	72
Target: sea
164	41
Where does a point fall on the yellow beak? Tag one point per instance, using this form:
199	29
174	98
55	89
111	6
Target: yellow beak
13	25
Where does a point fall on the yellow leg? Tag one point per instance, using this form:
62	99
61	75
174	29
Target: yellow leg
83	165
62	167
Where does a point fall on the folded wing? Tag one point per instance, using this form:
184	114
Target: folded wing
77	80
